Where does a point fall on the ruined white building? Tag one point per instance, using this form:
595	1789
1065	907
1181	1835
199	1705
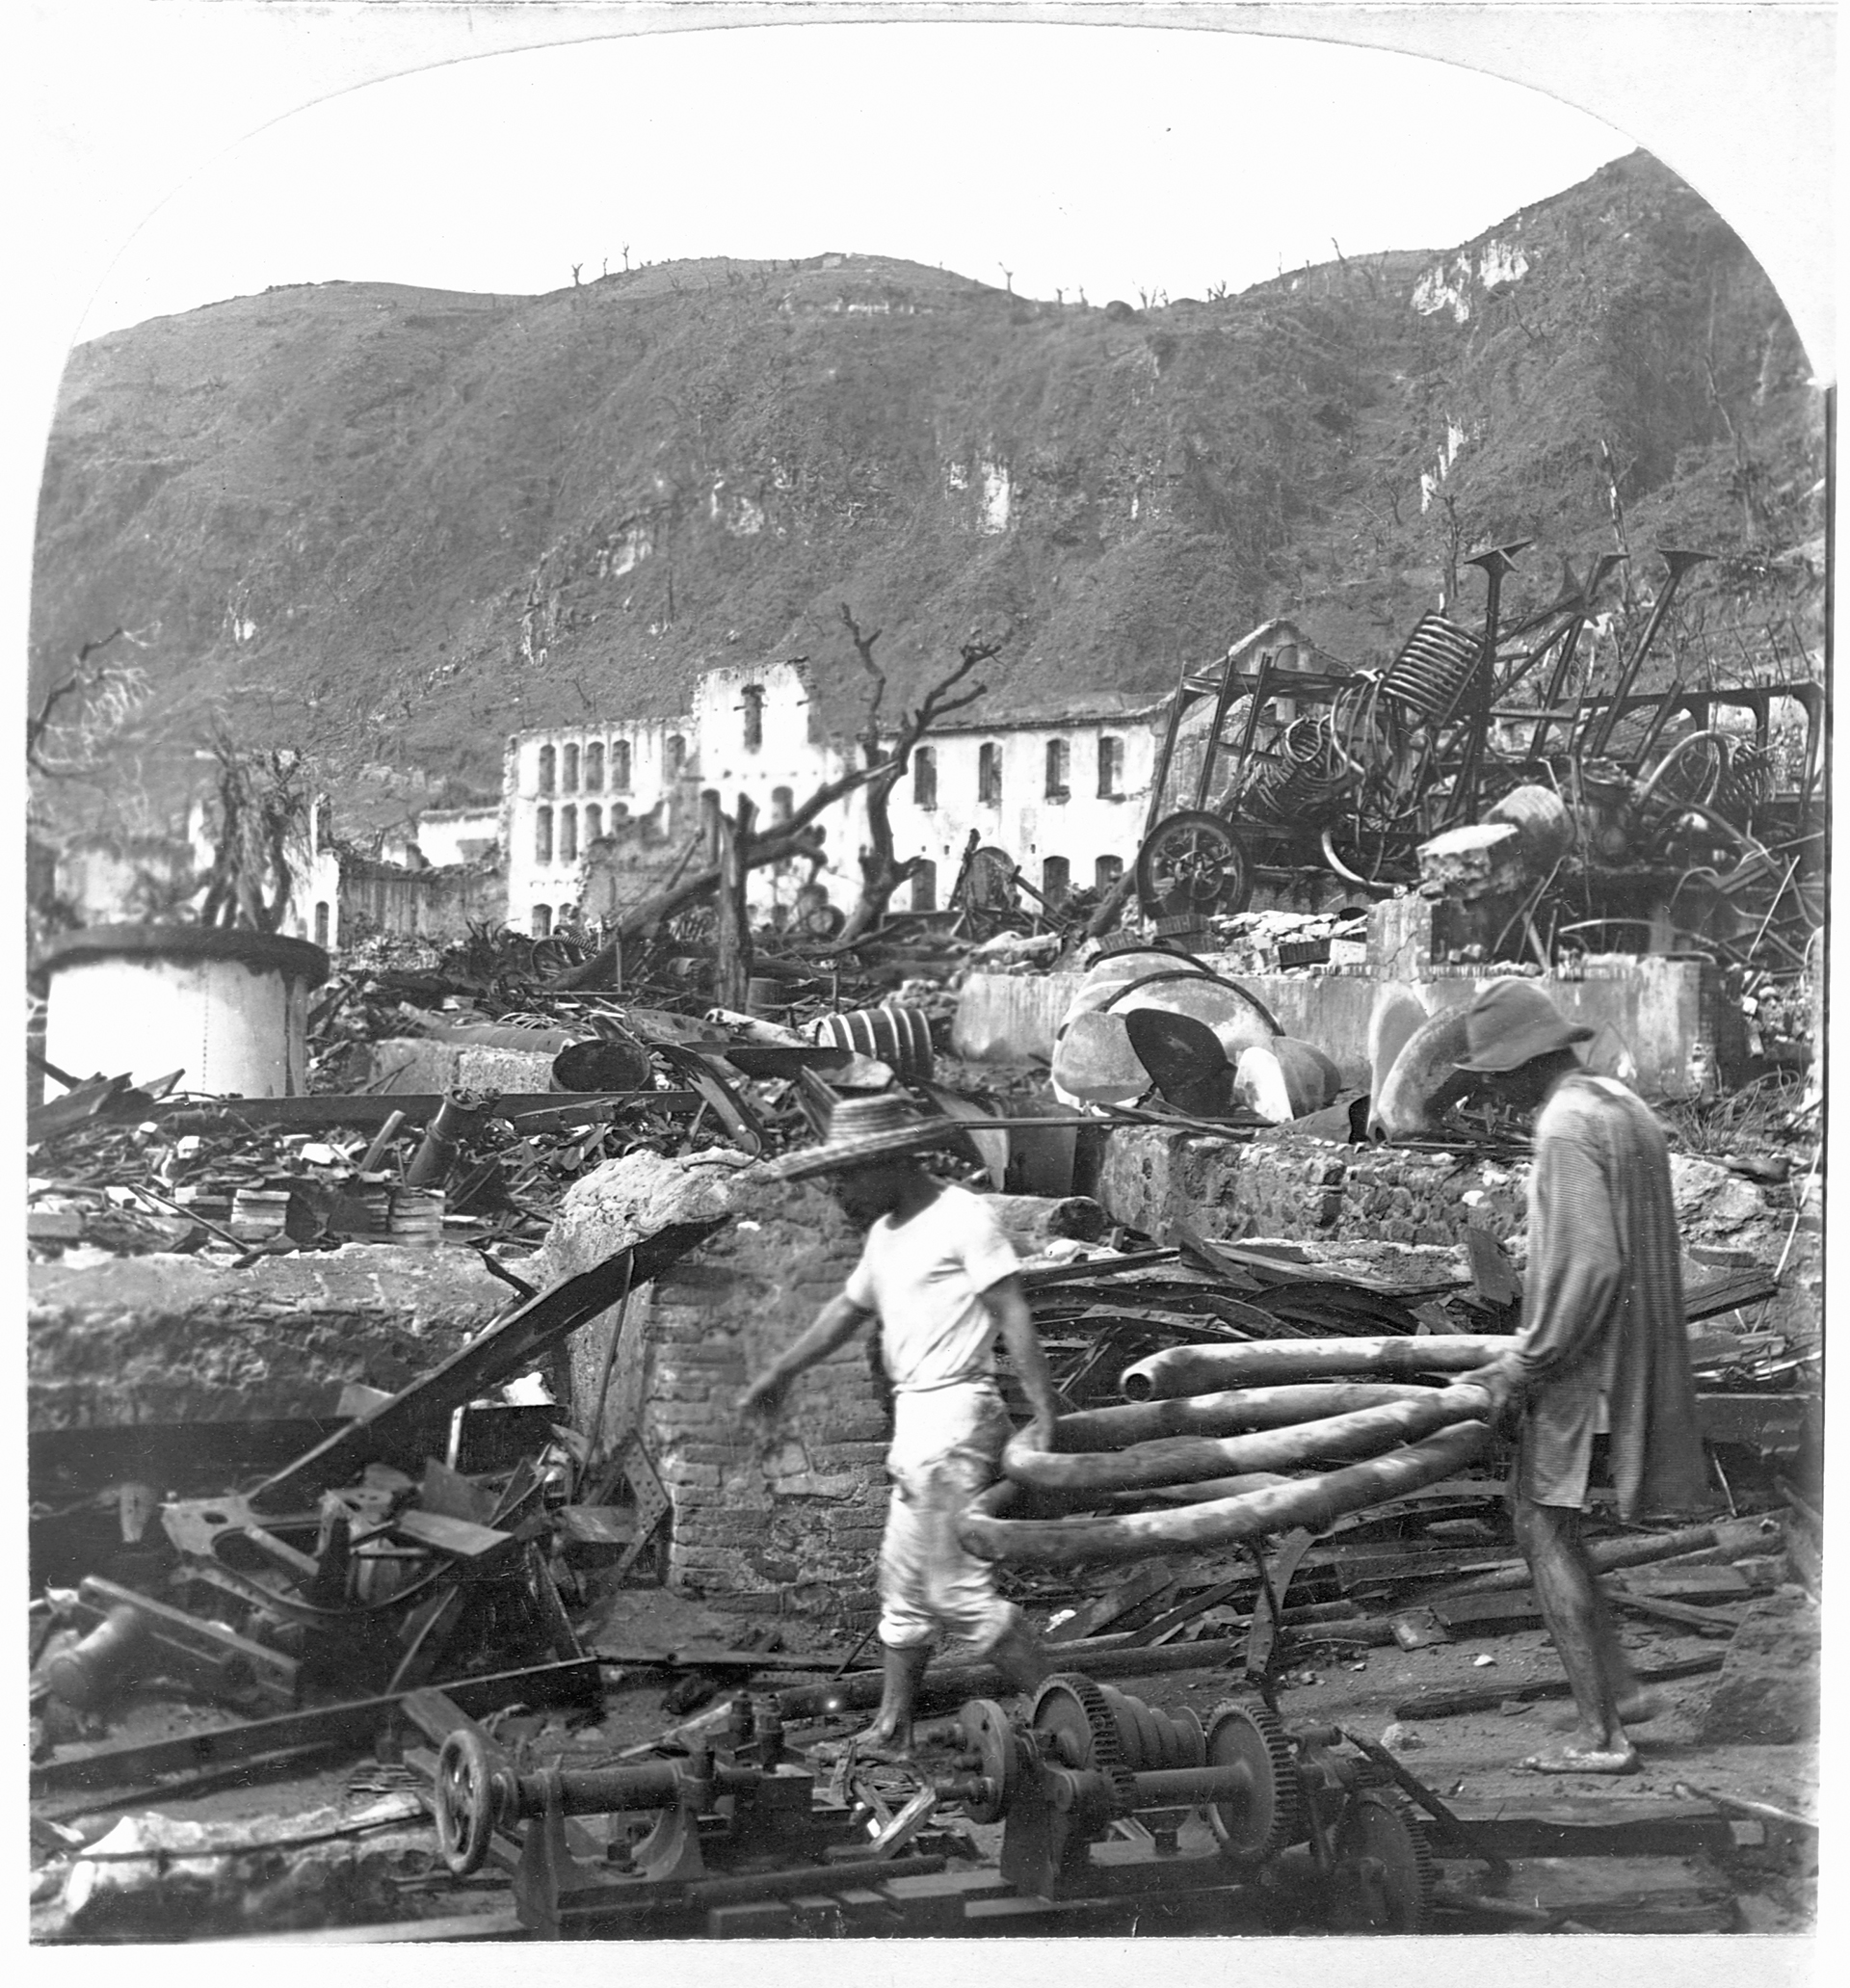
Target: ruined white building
1064	793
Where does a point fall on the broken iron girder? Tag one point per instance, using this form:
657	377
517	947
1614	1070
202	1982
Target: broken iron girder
415	1419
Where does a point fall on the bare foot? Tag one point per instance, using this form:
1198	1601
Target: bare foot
1575	1760
1637	1707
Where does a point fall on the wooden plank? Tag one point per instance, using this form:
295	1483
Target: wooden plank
373	1108
354	1721
1611	1824
1446	1703
457	1926
1143	1585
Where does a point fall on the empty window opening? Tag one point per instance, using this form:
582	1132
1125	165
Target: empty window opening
1111	768
320	924
568	834
542	836
1056	879
1107	871
925	778
570	781
676	756
988	774
543	921
1059	769
620	765
593	822
781	803
754	695
594	767
925	888
548	760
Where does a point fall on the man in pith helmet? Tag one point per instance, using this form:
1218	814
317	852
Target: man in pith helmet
940	1277
1602	1350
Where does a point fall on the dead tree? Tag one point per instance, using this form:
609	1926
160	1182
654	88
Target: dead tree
101	701
257	836
732	928
881	872
789	839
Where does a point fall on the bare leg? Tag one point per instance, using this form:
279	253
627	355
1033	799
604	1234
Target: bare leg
891	1731
1581	1626
1017	1655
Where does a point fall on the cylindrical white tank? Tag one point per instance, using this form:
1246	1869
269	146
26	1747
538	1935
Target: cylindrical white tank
227	1008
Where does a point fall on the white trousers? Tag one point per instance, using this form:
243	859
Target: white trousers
946	1446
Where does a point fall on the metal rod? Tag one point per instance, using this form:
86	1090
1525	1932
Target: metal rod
1212	750
1600	732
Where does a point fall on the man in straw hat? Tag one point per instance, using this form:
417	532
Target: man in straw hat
1603	1349
940	1277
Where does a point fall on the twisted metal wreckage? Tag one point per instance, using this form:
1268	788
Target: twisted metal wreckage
1691	826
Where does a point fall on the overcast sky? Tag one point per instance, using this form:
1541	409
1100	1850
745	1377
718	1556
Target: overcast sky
1111	160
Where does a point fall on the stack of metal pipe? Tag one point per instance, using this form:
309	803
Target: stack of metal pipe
1222	1429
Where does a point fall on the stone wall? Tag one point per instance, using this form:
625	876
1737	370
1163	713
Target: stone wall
167	1338
1297	1188
1303	1189
784	1516
1668	1012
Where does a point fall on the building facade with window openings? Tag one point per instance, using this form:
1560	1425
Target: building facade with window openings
1064	793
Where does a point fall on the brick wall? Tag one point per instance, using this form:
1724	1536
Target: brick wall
780	1517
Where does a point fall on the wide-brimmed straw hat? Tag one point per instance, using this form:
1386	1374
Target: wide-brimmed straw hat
1512	1022
863	1131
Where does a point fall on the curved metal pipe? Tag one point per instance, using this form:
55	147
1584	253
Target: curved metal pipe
1200	1370
1314	1502
1180	1459
1229	1413
1669	760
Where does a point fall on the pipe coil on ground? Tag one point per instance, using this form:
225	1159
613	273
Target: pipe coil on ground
1184	1459
1229	1413
1313	1503
1252	1363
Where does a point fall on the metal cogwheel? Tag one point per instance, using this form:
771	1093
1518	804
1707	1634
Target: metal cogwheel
1267	1814
1072	1718
1386	1865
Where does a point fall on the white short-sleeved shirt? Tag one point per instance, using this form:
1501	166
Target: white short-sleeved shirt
926	1278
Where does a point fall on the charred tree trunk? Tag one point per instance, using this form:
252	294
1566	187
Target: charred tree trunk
733	936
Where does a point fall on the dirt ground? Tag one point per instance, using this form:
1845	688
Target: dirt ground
1471	1761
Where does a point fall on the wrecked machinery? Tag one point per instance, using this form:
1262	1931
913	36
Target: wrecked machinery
1693	813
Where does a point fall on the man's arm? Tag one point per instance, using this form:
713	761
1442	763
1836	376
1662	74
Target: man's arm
1008	1306
835	1324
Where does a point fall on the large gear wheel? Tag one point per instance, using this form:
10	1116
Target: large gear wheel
1190	864
1267	1814
1384	1866
1072	1722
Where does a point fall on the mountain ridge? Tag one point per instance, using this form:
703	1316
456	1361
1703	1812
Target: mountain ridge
389	525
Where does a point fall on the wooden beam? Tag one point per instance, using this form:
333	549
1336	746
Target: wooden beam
352	1722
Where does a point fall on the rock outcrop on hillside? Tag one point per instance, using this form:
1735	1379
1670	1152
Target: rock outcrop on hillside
392	525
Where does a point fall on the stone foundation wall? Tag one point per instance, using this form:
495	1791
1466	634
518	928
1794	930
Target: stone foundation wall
167	1338
1670	1013
1296	1188
1305	1189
